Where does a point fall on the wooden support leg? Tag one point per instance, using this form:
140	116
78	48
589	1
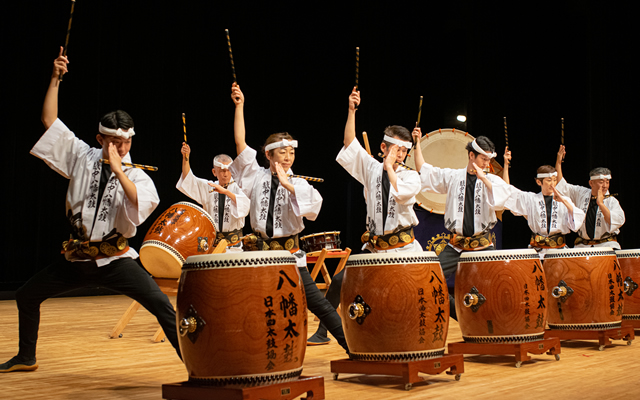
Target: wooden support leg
124	320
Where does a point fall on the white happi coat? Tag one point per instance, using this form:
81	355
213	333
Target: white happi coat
368	171
452	182
289	209
234	211
533	206
80	163
581	196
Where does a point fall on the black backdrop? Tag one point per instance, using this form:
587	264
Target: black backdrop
531	62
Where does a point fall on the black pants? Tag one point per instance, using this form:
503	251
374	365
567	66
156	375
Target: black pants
449	258
124	276
321	307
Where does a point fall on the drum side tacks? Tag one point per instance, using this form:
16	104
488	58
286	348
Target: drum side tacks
191	324
358	310
562	291
629	286
474	299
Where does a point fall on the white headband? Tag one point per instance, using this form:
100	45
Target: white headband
221	165
116	132
547	175
399	142
282	143
477	148
596	177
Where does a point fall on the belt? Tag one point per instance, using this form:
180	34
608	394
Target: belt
253	242
400	238
592	242
476	242
74	249
233	237
548	242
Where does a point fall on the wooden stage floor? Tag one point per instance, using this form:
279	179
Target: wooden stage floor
78	361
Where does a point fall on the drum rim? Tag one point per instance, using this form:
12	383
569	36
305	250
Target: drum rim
579	252
358	260
498	253
243	255
628	253
197	207
320	233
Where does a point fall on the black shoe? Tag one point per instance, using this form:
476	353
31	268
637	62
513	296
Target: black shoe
19	364
318	339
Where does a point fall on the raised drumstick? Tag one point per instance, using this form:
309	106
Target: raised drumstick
358	71
66	41
233	67
506	136
365	138
184	126
562	134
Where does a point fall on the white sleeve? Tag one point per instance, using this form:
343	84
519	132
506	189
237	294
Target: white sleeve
148	198
356	161
60	148
434	179
617	215
517	202
244	169
408	188
500	192
307	201
578	216
571	191
240	208
194	187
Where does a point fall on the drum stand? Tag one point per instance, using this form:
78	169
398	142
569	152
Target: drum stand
408	370
550	345
313	386
626	332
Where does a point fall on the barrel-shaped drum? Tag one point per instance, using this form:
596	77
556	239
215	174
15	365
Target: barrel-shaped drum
242	318
501	296
585	288
183	230
629	261
395	307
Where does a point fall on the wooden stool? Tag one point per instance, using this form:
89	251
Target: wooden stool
318	258
168	286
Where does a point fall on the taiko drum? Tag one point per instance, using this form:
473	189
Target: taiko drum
319	241
183	230
585	288
501	296
242	318
395	307
629	261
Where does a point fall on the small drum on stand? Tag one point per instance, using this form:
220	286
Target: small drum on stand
319	241
629	261
395	307
501	296
183	230
585	289
242	318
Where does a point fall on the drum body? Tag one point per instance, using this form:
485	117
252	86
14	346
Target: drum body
629	261
242	318
501	296
319	241
590	285
183	230
395	307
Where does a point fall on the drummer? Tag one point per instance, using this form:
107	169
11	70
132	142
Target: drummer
550	216
473	198
603	214
226	202
105	203
278	205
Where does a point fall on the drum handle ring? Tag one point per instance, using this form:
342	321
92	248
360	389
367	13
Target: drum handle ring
474	299
629	286
562	291
358	310
188	325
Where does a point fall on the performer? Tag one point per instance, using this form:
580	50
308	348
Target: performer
550	215
278	205
227	204
604	216
390	192
472	201
104	205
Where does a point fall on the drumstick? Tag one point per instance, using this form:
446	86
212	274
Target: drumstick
419	113
562	135
365	138
126	164
306	178
396	162
358	71
506	136
66	41
233	67
184	126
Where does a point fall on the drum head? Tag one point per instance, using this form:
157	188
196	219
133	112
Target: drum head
161	260
444	148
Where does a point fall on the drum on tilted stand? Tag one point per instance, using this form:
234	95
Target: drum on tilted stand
319	241
242	320
629	261
395	313
587	288
502	302
183	230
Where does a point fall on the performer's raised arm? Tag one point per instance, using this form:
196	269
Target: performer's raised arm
559	158
50	106
239	132
350	127
507	162
186	152
417	154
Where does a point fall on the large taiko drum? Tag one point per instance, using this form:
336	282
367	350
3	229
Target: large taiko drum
242	318
183	230
629	261
585	288
444	148
395	307
501	296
